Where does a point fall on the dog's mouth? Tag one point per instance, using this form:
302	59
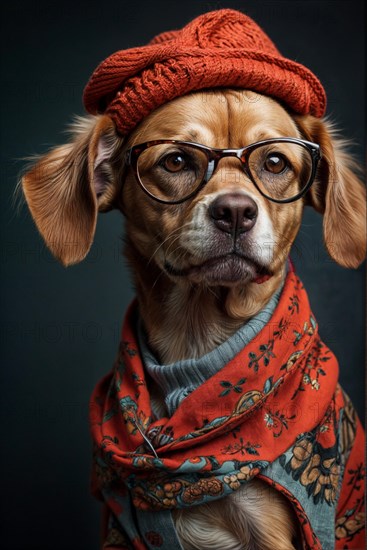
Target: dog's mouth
227	269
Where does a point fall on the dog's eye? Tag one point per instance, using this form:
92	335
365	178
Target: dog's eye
175	162
275	163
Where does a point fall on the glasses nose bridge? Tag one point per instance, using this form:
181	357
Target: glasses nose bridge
218	154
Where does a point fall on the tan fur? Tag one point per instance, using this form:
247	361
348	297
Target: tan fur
59	191
338	195
256	517
187	316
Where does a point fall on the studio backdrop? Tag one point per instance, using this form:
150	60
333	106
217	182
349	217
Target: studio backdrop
60	327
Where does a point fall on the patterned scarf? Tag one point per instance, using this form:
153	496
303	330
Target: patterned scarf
275	411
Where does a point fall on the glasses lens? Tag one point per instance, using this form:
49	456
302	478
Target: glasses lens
280	170
171	172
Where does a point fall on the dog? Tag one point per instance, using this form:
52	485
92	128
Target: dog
208	258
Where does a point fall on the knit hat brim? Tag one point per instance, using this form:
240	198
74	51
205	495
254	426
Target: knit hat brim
130	84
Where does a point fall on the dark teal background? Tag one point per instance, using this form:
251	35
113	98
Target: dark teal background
60	327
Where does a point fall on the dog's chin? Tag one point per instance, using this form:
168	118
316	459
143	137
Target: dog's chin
226	270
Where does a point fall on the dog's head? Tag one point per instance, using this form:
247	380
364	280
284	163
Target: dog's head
243	154
217	221
212	178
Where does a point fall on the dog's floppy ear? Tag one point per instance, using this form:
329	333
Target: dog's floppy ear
67	186
338	194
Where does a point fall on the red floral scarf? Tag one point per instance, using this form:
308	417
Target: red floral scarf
274	411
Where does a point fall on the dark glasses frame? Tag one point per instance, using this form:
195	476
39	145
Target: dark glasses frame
215	155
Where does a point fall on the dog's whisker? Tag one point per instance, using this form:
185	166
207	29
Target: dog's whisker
156	281
174	241
176	233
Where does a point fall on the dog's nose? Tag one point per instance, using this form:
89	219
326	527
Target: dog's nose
234	213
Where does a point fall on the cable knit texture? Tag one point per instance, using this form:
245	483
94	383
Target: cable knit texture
219	49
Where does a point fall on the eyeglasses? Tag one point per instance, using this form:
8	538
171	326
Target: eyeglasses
171	171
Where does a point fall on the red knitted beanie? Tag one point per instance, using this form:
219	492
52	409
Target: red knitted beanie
219	49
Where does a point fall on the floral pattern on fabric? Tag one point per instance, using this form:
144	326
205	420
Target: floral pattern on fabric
276	402
315	466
